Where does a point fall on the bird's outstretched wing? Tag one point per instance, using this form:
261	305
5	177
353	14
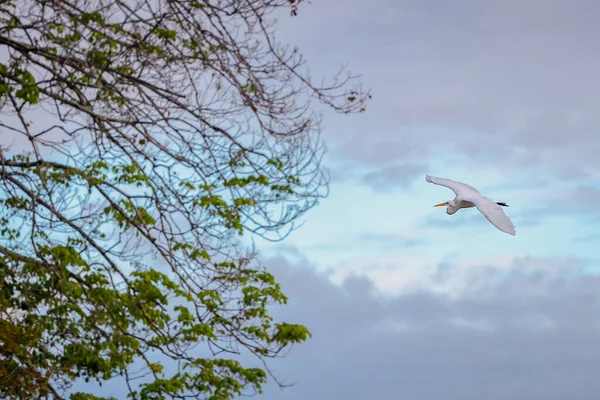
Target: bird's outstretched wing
458	188
494	213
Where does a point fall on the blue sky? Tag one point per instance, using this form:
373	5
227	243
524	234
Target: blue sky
403	300
501	95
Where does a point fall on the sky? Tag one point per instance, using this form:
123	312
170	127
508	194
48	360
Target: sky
403	300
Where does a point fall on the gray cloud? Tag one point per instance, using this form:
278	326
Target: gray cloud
510	84
392	175
578	202
522	333
527	331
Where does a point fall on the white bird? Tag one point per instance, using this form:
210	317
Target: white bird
467	197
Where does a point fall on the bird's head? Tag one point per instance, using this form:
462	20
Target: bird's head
449	203
451	206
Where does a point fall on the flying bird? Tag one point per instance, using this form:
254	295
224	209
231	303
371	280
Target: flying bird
467	197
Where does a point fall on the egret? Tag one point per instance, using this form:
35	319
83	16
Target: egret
467	197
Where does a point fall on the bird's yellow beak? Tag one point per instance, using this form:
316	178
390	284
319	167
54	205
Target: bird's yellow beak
441	204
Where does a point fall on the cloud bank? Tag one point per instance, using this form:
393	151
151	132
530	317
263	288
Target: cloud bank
522	332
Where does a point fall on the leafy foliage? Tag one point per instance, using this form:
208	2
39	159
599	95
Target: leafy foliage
147	137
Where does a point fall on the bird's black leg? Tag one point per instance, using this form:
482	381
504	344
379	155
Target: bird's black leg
502	204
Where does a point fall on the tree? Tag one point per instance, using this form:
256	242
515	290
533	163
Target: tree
147	136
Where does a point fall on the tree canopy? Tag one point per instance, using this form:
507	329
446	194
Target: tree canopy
140	140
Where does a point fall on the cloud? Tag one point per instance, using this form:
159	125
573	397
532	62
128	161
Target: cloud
453	221
389	241
528	330
579	202
511	85
522	333
392	175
